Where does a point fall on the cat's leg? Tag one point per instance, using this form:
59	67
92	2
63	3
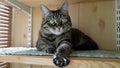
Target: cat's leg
42	45
60	58
85	43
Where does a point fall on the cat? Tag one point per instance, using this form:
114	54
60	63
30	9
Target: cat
58	37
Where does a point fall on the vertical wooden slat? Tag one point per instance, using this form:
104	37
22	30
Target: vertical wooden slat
117	5
10	27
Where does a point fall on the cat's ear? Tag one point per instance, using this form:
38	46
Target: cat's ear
64	7
45	11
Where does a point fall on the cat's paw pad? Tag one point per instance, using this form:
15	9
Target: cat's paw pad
60	61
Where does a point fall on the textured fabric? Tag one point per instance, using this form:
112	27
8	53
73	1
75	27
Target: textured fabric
33	52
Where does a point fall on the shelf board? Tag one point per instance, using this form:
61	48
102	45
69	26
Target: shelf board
47	60
36	3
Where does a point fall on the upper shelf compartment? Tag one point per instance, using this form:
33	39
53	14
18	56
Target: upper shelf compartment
36	3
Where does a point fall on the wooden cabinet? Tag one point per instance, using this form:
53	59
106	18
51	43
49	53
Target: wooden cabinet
96	18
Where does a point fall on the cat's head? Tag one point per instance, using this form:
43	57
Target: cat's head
56	22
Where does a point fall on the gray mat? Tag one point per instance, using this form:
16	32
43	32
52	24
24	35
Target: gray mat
33	52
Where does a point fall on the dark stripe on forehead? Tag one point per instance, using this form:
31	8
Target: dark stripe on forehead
57	14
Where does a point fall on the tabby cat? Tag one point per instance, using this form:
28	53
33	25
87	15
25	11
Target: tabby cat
58	37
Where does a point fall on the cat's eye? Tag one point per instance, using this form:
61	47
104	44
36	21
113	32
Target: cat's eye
51	21
64	20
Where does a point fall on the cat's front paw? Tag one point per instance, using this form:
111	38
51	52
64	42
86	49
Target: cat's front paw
60	60
49	49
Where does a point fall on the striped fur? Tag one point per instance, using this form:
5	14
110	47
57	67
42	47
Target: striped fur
58	37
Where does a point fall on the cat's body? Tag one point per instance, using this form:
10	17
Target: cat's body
58	37
78	40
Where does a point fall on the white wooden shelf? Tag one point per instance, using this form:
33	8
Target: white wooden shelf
76	62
